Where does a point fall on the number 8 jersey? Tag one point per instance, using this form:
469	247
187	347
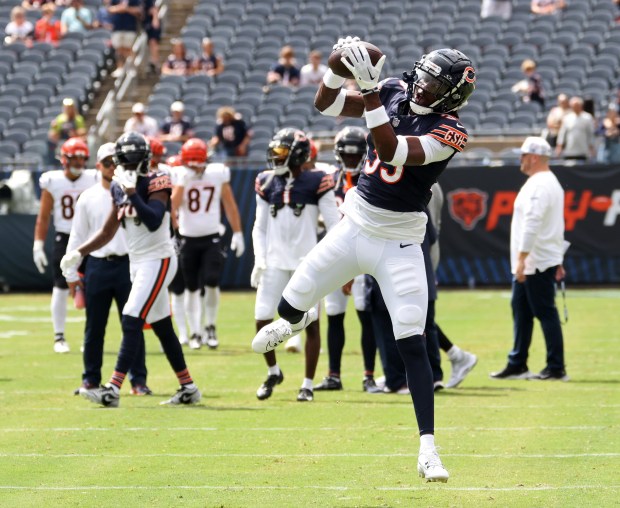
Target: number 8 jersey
65	193
200	210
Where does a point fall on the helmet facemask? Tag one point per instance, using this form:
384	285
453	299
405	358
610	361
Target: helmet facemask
350	159
278	156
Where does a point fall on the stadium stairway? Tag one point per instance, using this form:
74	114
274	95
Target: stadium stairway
177	14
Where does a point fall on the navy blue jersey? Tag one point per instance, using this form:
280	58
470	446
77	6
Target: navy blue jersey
145	186
306	189
343	182
407	188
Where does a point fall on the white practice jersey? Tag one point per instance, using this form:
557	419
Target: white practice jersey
200	211
65	194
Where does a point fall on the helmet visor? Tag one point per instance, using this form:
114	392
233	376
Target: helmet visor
278	154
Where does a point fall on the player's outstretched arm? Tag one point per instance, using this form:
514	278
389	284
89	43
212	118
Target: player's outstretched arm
101	237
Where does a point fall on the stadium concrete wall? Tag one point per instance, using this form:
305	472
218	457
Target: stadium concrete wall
475	229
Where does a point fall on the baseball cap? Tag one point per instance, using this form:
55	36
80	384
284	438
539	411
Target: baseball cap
138	107
105	150
536	146
177	106
68	101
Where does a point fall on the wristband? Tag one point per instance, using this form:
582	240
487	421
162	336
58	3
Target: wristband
401	152
331	80
376	117
38	245
336	108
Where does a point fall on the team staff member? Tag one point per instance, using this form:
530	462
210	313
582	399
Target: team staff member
106	276
536	253
142	204
59	193
414	132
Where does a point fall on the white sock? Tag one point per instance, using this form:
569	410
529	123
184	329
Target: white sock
59	309
273	371
193	308
178	310
191	386
307	383
427	442
454	353
212	304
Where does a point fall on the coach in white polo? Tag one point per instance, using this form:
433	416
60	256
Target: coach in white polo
536	253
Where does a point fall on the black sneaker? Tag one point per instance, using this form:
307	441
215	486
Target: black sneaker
305	395
329	383
512	372
548	374
369	385
266	389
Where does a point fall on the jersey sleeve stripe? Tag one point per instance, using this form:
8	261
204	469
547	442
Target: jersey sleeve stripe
443	140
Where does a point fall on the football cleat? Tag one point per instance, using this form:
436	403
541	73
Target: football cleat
512	372
430	467
211	337
183	340
184	395
266	389
305	395
86	386
272	335
329	383
195	342
141	390
104	395
369	385
460	368
548	374
61	346
438	386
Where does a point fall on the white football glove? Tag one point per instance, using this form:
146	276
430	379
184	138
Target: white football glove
357	60
344	42
126	179
38	254
257	274
237	244
70	261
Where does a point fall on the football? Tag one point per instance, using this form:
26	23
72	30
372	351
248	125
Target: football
339	68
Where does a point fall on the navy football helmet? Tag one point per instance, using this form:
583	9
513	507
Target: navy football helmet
440	82
288	149
350	148
133	152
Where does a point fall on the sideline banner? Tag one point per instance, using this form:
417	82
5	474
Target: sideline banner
475	230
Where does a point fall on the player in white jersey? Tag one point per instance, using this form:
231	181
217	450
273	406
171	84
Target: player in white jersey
142	205
60	190
288	202
199	193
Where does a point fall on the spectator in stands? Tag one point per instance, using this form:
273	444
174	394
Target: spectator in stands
530	88
35	5
547	6
68	124
232	135
576	136
125	15
312	72
76	18
499	8
209	63
176	127
19	28
103	17
609	130
152	28
48	28
178	63
141	122
554	119
284	71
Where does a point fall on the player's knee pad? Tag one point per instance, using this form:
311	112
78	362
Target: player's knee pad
288	312
131	324
301	288
330	253
408	320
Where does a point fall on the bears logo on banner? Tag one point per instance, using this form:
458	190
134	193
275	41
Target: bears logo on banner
467	206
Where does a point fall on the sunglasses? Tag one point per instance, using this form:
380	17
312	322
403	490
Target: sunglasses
107	162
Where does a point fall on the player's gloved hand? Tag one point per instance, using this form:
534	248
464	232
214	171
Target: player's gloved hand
126	179
343	42
237	244
70	261
257	274
38	254
357	60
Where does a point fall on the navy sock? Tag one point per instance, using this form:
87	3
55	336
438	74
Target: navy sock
419	380
335	342
170	343
290	313
369	346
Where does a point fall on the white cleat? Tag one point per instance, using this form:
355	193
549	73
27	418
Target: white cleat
183	340
104	395
460	368
272	335
195	342
430	467
184	396
61	346
293	345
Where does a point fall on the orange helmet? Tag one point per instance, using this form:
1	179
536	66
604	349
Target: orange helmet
194	153
74	147
174	160
157	147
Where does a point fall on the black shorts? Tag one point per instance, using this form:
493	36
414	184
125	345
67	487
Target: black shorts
202	261
60	248
177	286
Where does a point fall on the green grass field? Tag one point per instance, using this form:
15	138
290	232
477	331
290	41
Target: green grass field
511	443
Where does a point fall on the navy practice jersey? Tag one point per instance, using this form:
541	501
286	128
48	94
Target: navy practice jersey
407	188
306	189
343	181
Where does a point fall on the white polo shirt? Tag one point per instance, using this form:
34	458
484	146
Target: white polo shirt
537	223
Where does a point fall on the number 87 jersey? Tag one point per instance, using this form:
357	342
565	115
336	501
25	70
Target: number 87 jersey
200	210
